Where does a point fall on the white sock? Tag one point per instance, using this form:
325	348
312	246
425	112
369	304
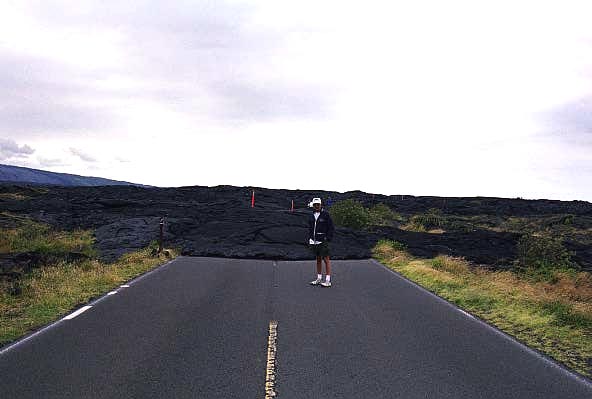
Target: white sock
319	276
328	277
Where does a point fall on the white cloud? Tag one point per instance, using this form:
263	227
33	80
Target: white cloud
9	149
82	155
426	97
50	163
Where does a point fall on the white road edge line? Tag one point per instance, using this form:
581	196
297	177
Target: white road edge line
79	311
124	286
466	314
26	338
112	293
580	377
271	353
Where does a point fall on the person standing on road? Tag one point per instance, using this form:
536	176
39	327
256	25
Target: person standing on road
320	233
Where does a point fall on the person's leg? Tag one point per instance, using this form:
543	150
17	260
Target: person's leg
327	266
315	250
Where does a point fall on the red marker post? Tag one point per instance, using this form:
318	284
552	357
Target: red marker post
253	199
292	209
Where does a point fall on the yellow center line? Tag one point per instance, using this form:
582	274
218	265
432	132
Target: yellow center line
271	352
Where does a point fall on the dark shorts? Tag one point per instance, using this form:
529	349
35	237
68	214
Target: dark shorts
321	250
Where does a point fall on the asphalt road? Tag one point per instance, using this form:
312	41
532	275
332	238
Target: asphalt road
198	328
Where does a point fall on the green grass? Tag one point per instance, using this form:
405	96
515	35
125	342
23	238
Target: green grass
382	215
565	315
30	236
51	291
351	213
554	317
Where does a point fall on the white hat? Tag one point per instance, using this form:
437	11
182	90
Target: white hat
315	201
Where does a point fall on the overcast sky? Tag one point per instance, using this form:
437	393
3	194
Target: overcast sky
449	98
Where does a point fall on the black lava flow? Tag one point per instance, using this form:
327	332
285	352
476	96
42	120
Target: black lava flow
220	222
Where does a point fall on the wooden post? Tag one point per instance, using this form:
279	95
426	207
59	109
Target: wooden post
161	234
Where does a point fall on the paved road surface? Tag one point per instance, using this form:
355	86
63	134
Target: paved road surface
198	328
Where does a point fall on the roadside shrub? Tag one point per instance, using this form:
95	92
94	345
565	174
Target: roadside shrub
539	257
382	215
350	213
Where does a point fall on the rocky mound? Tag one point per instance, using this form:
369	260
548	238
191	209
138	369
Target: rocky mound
219	221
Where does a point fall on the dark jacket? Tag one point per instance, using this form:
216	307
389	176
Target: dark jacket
323	231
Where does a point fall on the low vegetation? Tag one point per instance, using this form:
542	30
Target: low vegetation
552	315
13	196
382	215
29	236
425	222
541	256
351	213
564	226
48	292
22	193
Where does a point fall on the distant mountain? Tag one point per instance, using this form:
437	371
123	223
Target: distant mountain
16	174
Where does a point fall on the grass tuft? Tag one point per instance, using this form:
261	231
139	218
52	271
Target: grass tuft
451	264
394	251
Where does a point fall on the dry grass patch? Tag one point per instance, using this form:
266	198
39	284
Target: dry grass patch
454	265
410	226
424	268
393	251
576	287
13	196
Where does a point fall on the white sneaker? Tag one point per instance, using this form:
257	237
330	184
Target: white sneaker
326	284
316	282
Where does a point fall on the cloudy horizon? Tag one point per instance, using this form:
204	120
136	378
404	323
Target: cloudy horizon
458	98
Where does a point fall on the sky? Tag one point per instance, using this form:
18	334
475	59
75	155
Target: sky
454	98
